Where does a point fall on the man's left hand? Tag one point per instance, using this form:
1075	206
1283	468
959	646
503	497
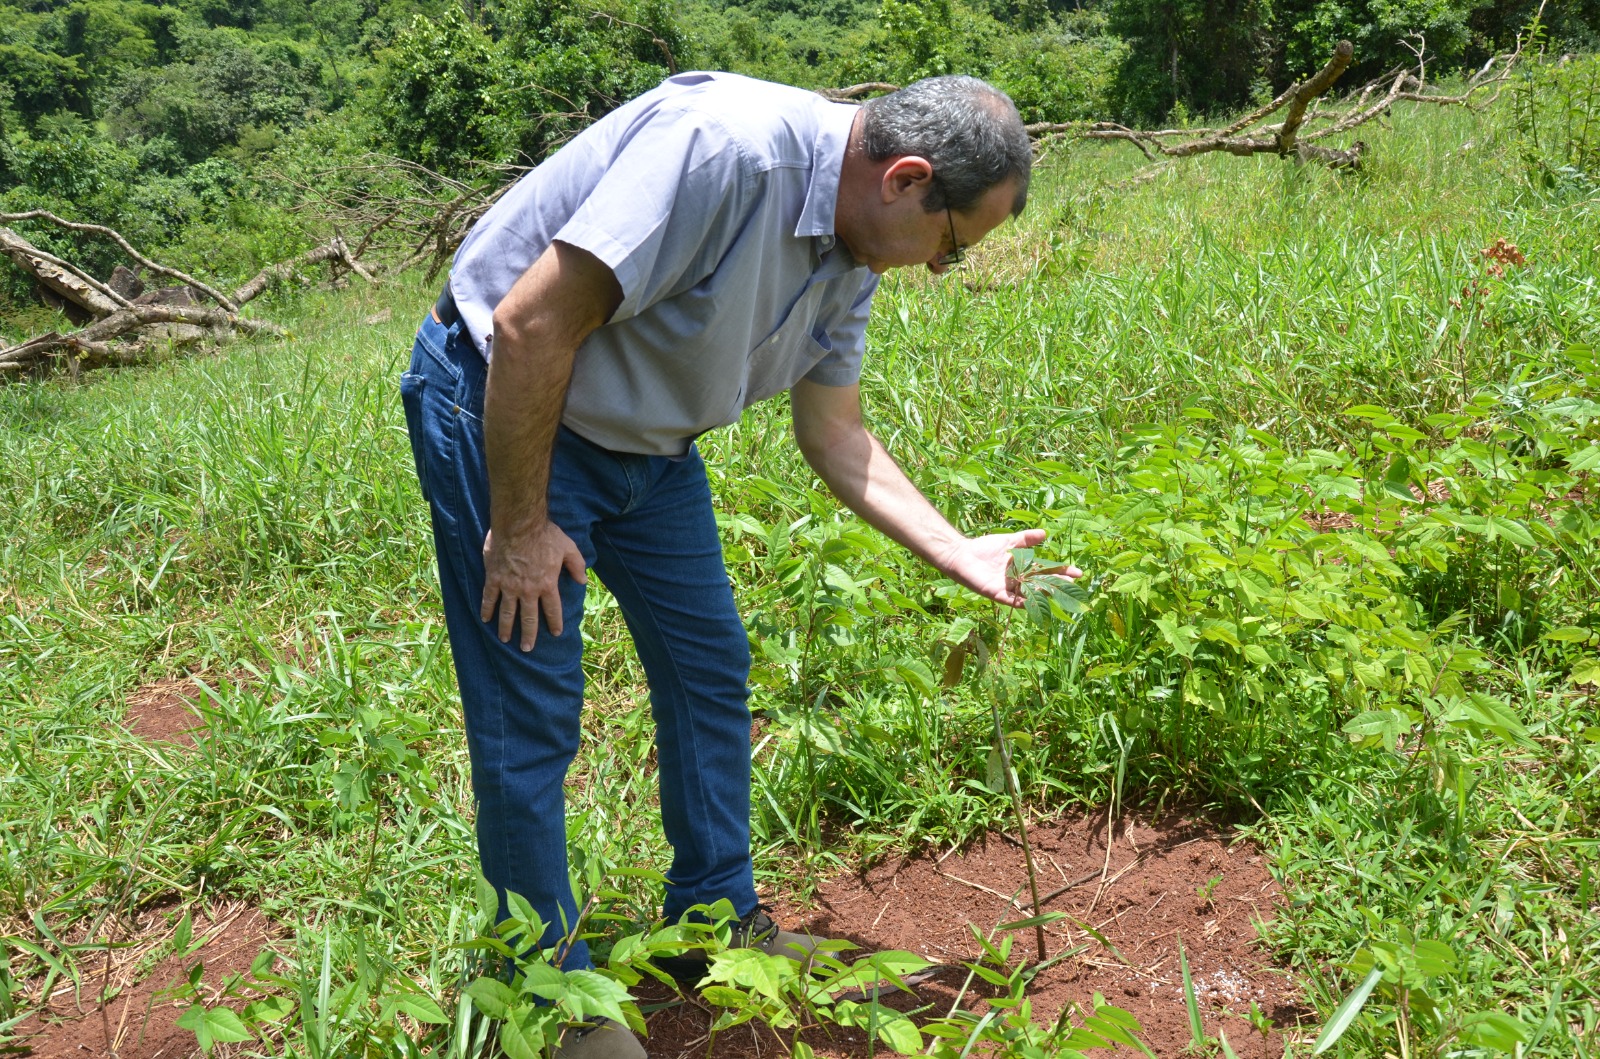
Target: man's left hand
983	564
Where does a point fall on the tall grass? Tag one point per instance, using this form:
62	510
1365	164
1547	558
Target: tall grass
250	517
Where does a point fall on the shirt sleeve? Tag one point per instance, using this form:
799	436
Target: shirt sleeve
842	365
666	210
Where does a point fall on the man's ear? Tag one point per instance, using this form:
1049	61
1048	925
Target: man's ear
909	174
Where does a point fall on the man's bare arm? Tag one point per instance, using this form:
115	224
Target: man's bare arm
538	326
865	478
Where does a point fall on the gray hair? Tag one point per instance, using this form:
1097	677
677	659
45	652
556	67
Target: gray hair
969	131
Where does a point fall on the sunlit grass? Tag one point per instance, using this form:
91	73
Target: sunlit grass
250	517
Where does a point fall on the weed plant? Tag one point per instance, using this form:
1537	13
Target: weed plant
1330	471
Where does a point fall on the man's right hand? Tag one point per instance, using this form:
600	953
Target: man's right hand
525	572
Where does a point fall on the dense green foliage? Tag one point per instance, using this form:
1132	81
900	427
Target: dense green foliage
174	121
1329	466
1208	57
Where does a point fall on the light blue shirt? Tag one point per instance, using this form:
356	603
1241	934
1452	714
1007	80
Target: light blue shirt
711	198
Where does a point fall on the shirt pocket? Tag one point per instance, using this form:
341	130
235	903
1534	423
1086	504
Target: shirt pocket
787	354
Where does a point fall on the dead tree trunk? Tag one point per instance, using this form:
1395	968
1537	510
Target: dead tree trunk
120	329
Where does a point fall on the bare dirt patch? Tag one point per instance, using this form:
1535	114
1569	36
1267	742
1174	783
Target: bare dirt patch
164	711
138	1019
1174	876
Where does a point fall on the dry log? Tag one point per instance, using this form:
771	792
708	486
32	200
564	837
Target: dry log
134	255
333	250
92	345
61	277
1289	139
840	95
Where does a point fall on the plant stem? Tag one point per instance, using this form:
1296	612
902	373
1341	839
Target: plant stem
1022	822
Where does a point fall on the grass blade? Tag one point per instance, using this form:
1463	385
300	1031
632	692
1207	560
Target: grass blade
1346	1013
1197	1030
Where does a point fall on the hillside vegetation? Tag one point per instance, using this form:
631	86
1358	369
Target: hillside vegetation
217	134
1325	444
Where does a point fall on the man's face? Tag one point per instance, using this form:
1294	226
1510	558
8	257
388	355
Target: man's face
900	232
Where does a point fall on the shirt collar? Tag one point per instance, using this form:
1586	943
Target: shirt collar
827	158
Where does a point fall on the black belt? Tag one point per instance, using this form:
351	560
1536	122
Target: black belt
444	310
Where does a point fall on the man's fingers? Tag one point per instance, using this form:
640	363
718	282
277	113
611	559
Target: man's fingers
551	602
1029	538
530	624
573	561
491	596
508	616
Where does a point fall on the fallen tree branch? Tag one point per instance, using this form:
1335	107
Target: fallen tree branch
840	95
92	345
1289	138
116	237
333	250
59	276
124	329
1304	94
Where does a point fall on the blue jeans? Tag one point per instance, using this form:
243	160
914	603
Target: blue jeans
644	524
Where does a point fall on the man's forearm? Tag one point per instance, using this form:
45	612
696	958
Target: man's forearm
522	406
859	471
538	327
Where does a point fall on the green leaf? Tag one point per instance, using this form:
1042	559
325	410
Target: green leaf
1200	687
1587	671
1571	634
1377	726
1495	1029
591	993
491	996
994	771
916	675
417	1005
1434	958
899	1032
1368	411
753	969
1585	459
1197	1031
1346	1013
524	1032
213	1025
1511	529
1490	714
1180	637
724	996
269	1009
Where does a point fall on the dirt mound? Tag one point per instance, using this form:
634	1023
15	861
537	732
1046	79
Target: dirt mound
164	711
1165	878
139	1018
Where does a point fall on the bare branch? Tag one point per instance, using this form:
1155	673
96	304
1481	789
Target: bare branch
333	250
840	95
672	64
1313	88
61	276
116	237
92	344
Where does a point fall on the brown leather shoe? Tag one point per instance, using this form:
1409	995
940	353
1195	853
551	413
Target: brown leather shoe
606	1039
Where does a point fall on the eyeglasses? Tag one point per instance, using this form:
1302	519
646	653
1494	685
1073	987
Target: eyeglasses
957	255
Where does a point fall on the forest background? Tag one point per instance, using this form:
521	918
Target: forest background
176	122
